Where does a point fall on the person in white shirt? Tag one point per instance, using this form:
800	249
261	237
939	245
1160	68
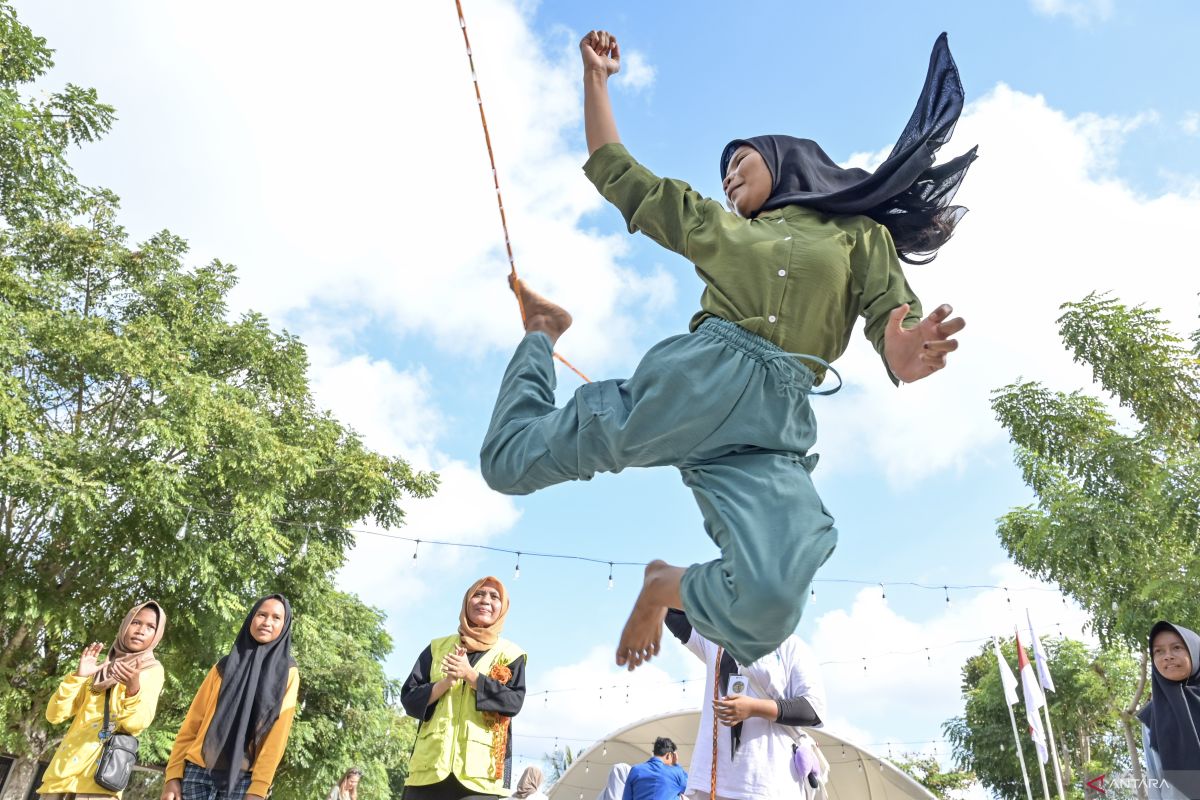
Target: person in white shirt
757	745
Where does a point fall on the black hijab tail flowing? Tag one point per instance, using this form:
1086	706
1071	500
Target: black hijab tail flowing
254	680
906	193
1173	717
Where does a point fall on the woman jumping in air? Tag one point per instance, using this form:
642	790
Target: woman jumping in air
805	248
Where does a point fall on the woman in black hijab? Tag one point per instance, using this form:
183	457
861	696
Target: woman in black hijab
1172	717
906	193
808	249
236	730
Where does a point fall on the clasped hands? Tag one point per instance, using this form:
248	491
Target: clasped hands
456	667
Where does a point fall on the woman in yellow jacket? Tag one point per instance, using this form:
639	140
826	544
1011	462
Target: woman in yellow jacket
131	678
465	689
235	732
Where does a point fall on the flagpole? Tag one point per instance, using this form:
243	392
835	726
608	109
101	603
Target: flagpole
1020	753
1053	750
1047	682
1045	786
1034	701
1010	702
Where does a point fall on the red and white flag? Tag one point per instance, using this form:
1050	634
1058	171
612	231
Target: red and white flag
1034	700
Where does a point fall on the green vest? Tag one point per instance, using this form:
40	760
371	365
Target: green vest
457	739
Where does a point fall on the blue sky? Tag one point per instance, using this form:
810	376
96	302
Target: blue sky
335	156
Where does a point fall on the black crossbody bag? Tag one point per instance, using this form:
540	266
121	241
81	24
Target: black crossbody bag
118	755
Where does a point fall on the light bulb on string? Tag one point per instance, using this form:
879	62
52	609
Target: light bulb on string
416	546
883	592
586	768
610	582
517	569
304	547
864	663
182	533
947	590
928	660
1007	596
812	594
604	751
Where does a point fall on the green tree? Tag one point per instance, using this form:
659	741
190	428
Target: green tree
1085	710
928	772
149	446
557	764
1117	520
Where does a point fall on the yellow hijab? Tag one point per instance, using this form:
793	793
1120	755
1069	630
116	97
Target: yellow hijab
478	638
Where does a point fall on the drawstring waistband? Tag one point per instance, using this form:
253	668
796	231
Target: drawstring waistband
766	352
817	359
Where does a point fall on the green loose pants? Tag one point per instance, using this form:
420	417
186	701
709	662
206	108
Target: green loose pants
731	411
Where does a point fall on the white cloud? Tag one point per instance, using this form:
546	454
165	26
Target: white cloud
396	413
1081	12
1048	224
373	194
911	664
637	73
591	697
1190	123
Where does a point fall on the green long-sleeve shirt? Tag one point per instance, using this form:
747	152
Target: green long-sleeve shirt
794	276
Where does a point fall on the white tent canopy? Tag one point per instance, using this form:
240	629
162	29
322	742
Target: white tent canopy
855	773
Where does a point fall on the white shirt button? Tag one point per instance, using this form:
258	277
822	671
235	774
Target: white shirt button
771	318
782	272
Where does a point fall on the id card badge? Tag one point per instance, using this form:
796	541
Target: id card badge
738	684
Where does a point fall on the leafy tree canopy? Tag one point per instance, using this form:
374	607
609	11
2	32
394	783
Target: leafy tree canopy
152	445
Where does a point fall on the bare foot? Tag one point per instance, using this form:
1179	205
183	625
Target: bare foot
642	635
540	314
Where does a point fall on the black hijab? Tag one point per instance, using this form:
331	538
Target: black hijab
906	194
254	680
1173	716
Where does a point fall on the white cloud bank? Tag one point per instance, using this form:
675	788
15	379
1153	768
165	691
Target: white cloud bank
912	669
1047	224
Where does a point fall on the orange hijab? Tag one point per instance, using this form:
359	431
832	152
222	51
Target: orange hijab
474	637
117	652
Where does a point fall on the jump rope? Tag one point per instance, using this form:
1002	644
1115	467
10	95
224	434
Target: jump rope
512	264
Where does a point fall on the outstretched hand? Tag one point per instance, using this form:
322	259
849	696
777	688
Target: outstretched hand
87	660
600	53
918	352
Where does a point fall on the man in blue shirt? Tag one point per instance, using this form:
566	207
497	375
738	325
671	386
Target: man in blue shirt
660	778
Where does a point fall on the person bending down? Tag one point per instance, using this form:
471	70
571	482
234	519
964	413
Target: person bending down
806	248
